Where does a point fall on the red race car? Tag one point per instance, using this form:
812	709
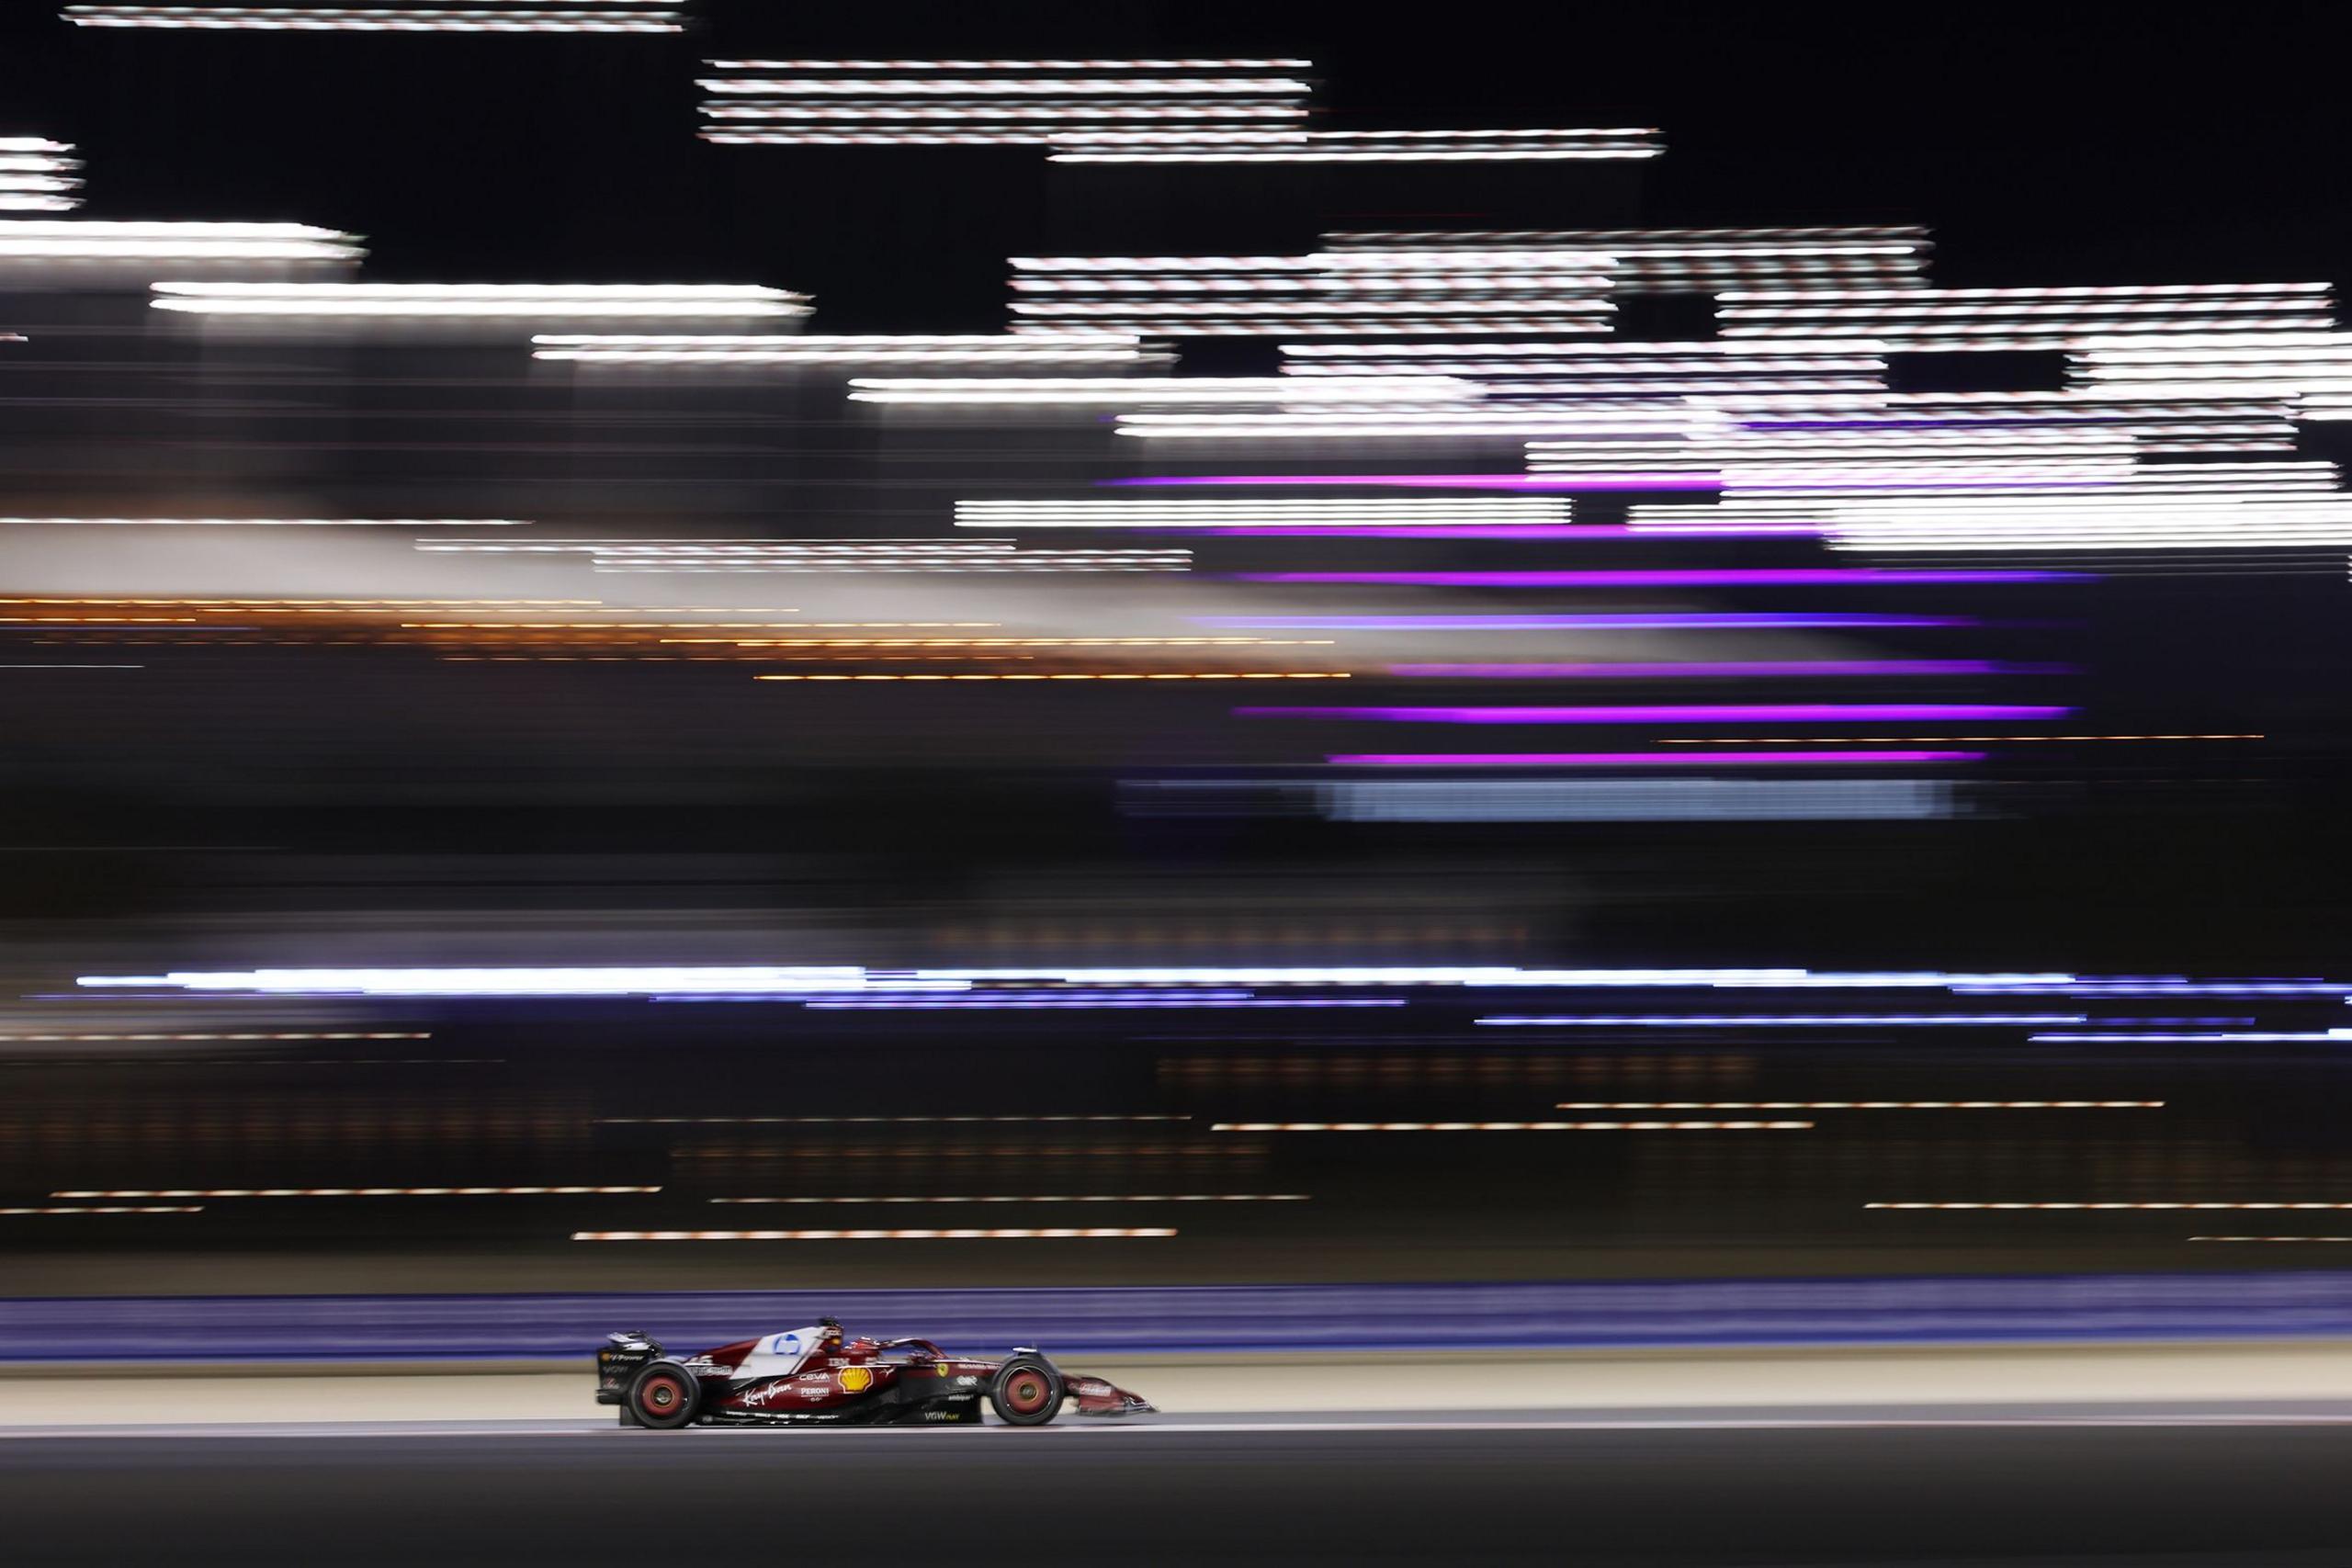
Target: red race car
814	1377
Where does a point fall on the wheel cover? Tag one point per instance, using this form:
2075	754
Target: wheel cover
1027	1391
663	1394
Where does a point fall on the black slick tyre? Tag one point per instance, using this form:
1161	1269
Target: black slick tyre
664	1396
1025	1392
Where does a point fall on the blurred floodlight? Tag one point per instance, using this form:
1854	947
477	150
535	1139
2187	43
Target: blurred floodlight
468	300
556	17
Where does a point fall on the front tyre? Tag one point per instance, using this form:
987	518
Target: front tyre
1026	1392
664	1396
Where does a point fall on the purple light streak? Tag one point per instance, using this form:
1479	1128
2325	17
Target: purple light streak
1544	482
1735	669
1727	577
1557	482
956	1006
1639	759
1790	1020
2171	987
1677	712
1680	620
2325	1037
1000	998
1507	531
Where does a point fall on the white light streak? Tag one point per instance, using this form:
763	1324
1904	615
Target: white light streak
955	65
1493	975
1668	260
1982	319
981	391
2106	1207
1280	311
750	980
565	17
1958	318
87	239
820	342
1450	284
406	292
84	228
1284	511
983	102
1385	147
1055	1233
1504	422
111	1209
782	980
262	523
641	300
1861	1105
575	307
1622	238
1169	265
351	1191
728	136
859	1121
2172	506
1445	259
1701	1126
1307	295
2103	403
1039	120
1055	1197
1436	321
1005	87
673	348
1995	299
1845	350
826	556
38	176
1607	368
1706	445
2313	368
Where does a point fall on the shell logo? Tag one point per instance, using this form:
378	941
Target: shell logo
856	1380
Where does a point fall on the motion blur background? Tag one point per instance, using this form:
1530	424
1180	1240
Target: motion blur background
1674	836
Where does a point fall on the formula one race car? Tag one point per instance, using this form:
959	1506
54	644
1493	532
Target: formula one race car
811	1376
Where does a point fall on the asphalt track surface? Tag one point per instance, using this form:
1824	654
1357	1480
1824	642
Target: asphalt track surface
2167	1487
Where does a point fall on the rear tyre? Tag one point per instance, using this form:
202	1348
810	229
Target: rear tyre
664	1396
1026	1392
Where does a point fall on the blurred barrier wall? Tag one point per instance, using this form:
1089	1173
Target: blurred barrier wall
1203	1319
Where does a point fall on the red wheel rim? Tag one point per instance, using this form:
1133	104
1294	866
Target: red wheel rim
1026	1392
663	1395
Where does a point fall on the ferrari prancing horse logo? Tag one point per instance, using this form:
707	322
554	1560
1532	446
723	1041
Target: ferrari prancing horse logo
856	1380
